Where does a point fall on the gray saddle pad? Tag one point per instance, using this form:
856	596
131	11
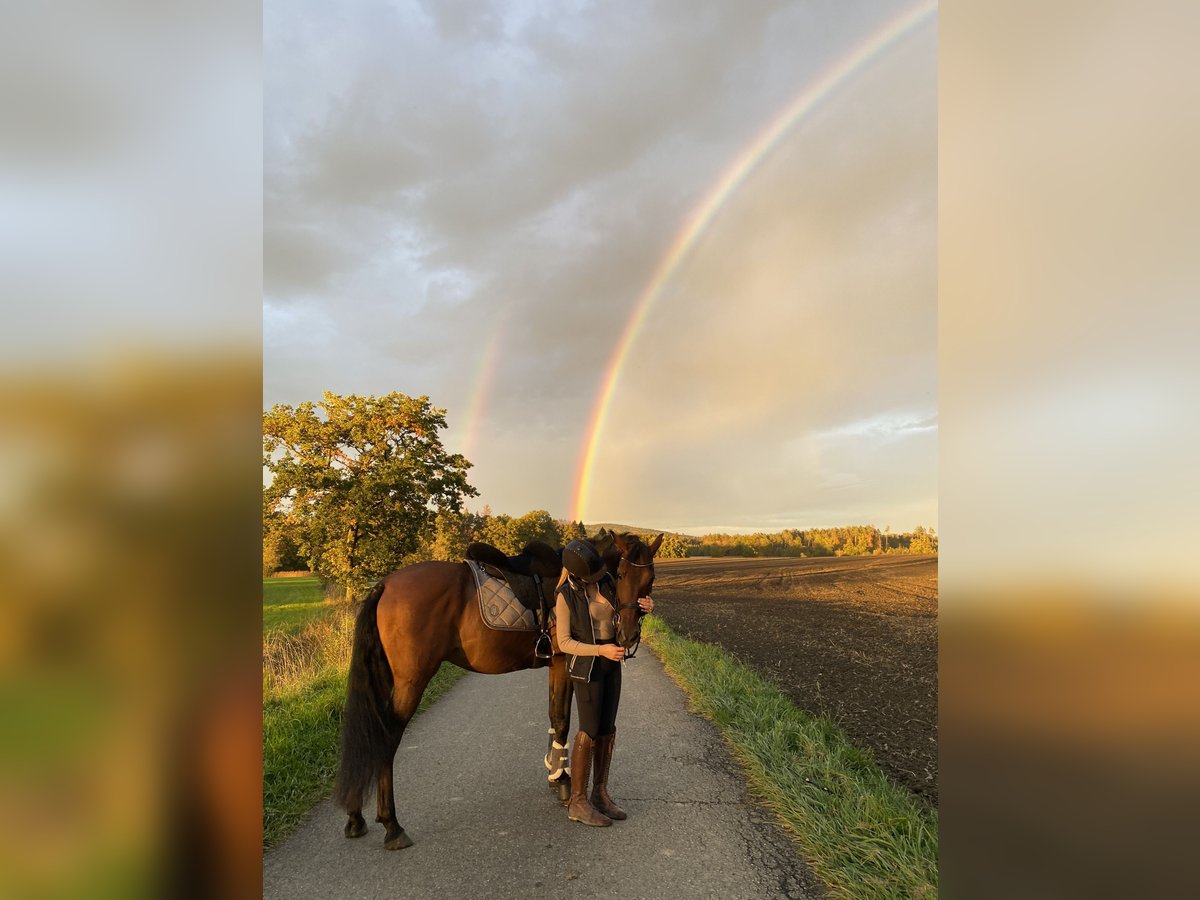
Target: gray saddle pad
498	605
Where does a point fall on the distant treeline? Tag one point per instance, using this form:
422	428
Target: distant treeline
447	537
453	532
853	540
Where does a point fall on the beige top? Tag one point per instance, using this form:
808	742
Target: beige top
602	620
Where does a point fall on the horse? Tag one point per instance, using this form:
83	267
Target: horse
425	614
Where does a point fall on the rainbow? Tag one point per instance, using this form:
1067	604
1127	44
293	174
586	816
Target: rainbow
480	389
705	211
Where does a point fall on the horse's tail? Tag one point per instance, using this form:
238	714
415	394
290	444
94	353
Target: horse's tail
368	722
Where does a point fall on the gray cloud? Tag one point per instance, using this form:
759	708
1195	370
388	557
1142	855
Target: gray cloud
438	171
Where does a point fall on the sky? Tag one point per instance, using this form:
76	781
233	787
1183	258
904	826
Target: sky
664	264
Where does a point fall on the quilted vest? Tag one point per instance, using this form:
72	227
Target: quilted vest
580	667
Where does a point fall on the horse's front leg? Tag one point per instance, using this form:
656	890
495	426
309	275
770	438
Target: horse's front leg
557	753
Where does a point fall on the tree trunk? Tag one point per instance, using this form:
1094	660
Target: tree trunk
351	575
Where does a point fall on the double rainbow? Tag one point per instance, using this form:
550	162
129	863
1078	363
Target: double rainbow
704	212
485	375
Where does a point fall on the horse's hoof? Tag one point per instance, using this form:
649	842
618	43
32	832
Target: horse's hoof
398	842
356	828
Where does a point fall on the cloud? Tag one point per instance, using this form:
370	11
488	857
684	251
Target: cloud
436	172
883	427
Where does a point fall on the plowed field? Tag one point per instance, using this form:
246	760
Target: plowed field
852	637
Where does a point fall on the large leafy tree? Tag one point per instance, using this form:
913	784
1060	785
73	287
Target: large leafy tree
359	481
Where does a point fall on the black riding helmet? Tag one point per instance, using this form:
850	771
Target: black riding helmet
581	560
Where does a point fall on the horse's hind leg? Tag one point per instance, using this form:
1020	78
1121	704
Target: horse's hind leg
406	697
396	838
356	825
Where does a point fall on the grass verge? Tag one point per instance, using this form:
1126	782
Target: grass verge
861	834
289	604
304	693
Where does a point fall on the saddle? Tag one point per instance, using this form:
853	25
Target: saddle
512	591
536	558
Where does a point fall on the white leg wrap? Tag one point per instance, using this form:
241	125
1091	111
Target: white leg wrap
556	761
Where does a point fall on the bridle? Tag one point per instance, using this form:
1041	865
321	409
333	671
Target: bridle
634	605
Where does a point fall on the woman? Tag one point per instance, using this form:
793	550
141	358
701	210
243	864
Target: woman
584	608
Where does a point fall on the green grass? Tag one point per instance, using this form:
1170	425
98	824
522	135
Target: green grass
864	836
291	603
306	654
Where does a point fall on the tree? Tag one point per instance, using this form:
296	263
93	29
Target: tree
922	542
360	480
673	547
496	532
280	552
453	532
537	525
511	535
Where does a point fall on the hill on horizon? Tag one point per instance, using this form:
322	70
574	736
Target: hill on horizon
594	529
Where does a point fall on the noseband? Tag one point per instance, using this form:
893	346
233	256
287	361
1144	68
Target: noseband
634	605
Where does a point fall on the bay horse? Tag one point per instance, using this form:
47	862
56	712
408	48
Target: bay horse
425	614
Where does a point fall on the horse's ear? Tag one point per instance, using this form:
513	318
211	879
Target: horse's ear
622	543
655	544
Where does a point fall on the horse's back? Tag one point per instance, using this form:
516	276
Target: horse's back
426	582
429	568
420	597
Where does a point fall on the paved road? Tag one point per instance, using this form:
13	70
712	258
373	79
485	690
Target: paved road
471	792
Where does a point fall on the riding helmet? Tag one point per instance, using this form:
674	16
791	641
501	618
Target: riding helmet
581	560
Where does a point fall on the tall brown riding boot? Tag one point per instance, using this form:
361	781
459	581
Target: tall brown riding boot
600	798
579	808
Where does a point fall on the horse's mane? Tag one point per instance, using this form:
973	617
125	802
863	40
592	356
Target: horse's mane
544	554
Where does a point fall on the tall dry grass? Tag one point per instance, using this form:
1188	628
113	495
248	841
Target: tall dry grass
304	690
292	661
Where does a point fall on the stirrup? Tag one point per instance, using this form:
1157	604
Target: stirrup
543	649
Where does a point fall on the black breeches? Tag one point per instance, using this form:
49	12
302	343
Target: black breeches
597	700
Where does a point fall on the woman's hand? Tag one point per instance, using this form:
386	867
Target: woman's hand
615	652
646	603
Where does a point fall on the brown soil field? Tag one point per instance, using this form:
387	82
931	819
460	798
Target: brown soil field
851	637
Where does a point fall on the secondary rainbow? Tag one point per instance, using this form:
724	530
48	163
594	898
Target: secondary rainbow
481	389
704	212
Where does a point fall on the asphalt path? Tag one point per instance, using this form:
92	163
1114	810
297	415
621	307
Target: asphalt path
471	792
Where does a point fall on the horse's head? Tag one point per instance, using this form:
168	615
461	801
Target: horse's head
606	545
635	578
